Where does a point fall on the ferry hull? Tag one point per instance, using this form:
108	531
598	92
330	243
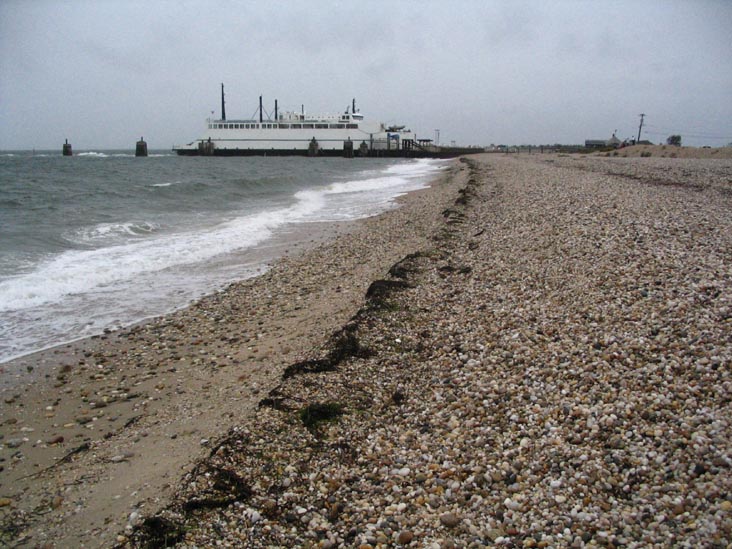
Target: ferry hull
414	153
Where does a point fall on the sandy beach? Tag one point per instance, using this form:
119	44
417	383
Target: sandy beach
534	352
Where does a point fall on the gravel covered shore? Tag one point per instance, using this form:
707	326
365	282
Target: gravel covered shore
536	352
551	369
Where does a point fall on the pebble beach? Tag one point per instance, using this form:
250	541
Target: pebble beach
536	351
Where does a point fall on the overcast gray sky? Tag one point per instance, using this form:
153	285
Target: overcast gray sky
103	73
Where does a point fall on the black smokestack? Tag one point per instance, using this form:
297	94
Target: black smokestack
223	106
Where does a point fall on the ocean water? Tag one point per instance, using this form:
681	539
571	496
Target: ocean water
103	239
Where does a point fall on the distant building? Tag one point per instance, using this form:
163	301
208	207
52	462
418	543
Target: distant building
613	142
595	144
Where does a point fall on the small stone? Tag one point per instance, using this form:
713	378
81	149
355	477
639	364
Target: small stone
14	442
495	533
449	520
58	439
405	537
511	504
4	502
269	508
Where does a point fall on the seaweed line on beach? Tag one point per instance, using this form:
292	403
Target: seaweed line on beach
328	397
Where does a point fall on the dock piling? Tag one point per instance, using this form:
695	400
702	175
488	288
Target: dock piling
141	148
313	148
206	148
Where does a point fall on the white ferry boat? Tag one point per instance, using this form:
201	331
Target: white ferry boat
293	133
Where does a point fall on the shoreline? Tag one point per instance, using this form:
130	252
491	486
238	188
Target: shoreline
130	409
258	260
533	352
162	271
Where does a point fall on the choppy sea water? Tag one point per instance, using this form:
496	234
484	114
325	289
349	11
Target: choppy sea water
103	239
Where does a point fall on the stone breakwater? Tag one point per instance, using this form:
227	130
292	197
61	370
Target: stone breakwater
551	369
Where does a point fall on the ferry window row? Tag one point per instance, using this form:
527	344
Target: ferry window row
281	126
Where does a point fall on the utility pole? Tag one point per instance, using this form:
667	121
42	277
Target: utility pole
437	137
640	127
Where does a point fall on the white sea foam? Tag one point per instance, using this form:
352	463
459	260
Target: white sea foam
93	154
112	232
139	268
359	198
79	271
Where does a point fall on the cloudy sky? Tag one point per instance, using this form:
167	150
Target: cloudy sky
103	73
